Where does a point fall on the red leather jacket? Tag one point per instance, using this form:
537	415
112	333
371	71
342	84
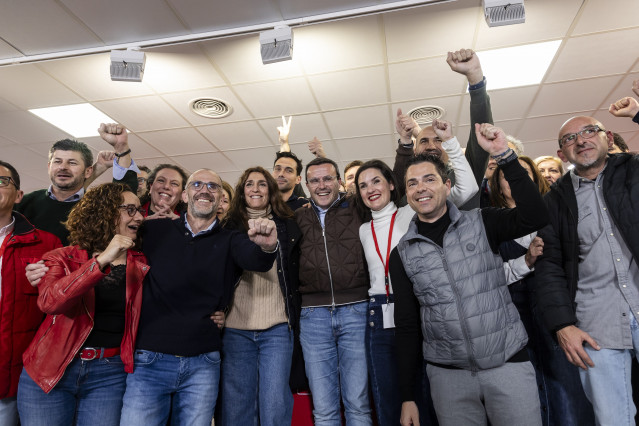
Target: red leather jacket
18	304
68	299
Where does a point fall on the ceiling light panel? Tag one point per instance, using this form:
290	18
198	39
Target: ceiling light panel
80	120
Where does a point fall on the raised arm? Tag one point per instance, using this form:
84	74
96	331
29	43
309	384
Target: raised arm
465	186
625	107
406	127
283	132
466	62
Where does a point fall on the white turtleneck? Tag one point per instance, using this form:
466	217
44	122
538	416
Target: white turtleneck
381	221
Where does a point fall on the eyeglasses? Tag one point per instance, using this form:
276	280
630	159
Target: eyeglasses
585	133
131	209
326	179
210	186
6	180
141	180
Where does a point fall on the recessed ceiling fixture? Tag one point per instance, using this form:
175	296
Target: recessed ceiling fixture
517	66
210	107
276	45
79	120
426	114
504	12
127	65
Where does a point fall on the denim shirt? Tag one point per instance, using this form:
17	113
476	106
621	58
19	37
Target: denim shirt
608	289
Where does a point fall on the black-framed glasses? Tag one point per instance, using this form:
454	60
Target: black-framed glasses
6	180
210	186
586	133
326	179
131	209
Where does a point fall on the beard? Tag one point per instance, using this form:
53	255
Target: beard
203	213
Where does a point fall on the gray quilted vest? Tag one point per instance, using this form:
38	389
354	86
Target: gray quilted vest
468	319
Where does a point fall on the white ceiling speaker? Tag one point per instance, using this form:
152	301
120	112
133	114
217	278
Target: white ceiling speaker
127	65
504	12
276	45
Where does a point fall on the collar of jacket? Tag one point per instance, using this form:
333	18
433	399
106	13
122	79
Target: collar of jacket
342	201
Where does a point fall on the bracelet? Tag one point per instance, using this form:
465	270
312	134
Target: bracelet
122	154
507	159
405	145
502	155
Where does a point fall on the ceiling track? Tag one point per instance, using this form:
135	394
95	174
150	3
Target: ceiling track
231	32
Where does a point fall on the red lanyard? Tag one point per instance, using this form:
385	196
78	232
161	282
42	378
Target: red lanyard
4	243
388	250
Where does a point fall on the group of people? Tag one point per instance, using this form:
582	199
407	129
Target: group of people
457	288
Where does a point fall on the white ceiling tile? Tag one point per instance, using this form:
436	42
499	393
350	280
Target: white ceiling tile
358	122
25	128
122	21
178	141
239	60
572	96
6	106
32	181
601	15
366	147
139	148
542	128
23	158
152	162
35	27
89	77
450	104
615	124
506	104
545	20
177	68
364	86
578	59
206	15
623	89
539	148
245	158
7	51
303	128
180	102
215	161
247	134
339	45
27	87
425	78
230	177
431	30
274	98
142	113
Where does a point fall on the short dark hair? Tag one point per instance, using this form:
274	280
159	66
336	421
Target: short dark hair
352	164
159	167
144	169
73	145
429	158
318	161
388	175
15	177
298	162
620	142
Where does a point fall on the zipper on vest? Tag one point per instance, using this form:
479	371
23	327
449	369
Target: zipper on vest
462	321
330	276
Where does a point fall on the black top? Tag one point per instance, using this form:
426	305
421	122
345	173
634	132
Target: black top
110	301
500	225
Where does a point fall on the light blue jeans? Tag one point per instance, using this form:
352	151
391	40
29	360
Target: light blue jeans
335	357
89	393
9	411
256	366
161	383
607	385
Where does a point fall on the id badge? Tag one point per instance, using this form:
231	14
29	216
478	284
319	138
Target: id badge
388	313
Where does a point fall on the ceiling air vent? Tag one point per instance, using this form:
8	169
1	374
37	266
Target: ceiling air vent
504	12
210	107
426	114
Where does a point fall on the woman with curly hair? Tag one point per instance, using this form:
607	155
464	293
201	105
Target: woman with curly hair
258	339
75	367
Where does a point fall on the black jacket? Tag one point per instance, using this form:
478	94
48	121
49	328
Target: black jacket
558	268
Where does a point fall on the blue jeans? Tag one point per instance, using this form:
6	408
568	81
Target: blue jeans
335	357
9	411
161	383
255	370
607	384
381	356
89	393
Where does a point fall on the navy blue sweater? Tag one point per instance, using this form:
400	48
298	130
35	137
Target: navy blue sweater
189	279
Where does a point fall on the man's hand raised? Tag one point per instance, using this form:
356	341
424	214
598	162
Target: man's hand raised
624	107
405	126
443	129
491	138
466	62
115	135
263	232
